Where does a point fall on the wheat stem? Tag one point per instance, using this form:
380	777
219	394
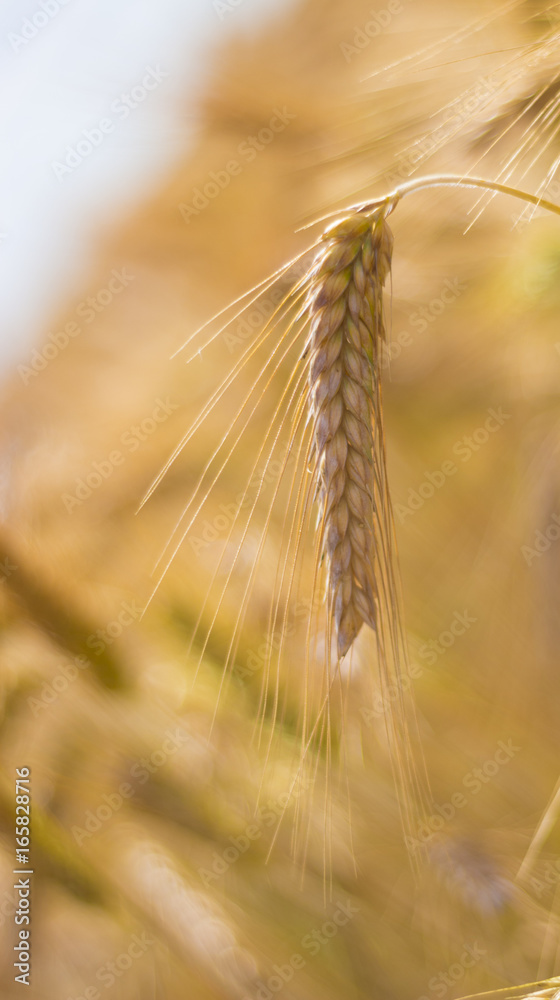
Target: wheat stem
456	180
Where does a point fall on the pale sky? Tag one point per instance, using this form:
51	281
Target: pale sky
64	65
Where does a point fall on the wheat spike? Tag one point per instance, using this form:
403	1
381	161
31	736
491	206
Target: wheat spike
346	310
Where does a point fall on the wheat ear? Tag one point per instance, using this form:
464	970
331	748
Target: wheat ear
346	310
345	307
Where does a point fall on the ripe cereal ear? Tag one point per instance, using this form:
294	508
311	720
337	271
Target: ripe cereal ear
325	441
347	325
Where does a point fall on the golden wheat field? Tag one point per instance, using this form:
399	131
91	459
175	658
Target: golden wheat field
280	539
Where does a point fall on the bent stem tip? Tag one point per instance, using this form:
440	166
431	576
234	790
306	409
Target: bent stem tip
455	180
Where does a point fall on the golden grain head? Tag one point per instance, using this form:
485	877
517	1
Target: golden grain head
346	310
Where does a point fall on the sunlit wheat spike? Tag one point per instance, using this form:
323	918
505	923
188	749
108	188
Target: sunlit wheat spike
346	312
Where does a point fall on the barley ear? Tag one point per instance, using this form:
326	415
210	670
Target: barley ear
346	309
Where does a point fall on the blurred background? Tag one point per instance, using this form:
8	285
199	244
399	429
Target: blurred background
134	205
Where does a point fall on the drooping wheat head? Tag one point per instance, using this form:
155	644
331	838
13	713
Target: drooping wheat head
346	310
322	349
